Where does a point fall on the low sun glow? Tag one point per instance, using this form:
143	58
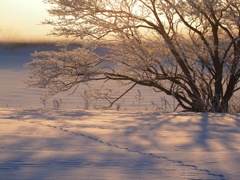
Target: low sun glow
21	20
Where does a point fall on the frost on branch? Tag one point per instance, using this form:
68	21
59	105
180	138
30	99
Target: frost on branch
61	70
184	48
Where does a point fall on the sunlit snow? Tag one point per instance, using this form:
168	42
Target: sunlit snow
72	143
76	144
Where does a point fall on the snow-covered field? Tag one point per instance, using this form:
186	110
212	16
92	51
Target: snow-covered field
14	91
75	144
72	143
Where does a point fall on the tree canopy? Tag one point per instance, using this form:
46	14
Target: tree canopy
189	49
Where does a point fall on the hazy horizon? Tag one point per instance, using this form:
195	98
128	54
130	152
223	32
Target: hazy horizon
21	21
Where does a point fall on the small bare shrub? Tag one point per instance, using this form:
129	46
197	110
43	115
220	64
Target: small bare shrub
87	99
163	105
139	98
43	101
57	104
118	106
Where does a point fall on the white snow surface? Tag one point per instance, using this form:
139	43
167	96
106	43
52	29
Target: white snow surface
76	144
72	144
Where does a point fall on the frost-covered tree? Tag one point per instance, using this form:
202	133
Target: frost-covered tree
189	49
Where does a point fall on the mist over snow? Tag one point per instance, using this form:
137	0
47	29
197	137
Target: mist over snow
16	93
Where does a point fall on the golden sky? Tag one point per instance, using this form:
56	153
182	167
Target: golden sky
21	20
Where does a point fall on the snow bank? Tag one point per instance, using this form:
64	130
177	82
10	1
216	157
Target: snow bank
75	144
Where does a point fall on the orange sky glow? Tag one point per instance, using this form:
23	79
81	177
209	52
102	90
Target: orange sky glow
20	20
